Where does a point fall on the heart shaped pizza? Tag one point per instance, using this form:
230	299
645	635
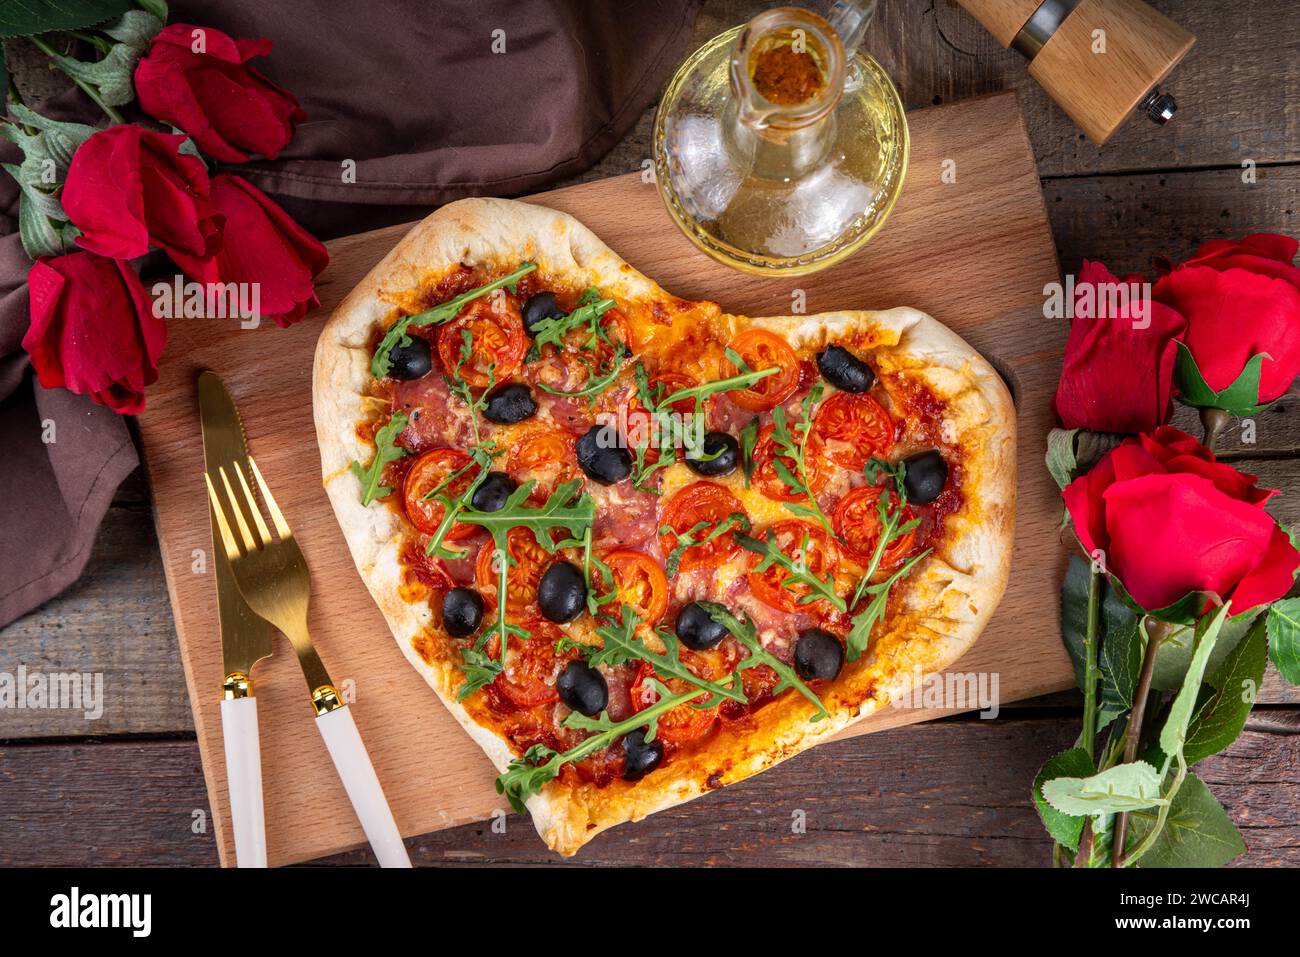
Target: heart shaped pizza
642	548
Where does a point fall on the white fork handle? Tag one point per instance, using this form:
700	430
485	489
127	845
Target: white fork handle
244	777
367	797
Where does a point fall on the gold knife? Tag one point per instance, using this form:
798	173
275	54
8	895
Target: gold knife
245	638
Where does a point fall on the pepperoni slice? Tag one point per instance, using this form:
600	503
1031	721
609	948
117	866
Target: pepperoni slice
769	480
684	722
497	341
641	583
531	560
857	523
699	502
802	542
427	473
853	429
762	349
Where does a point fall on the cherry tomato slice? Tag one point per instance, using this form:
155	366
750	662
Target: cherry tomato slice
497	340
801	541
769	480
527	678
684	722
531	560
853	428
857	522
641	584
762	349
700	502
547	456
426	473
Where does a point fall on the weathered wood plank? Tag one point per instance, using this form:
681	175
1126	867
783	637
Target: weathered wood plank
953	793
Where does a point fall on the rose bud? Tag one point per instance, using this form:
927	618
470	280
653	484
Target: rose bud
262	245
229	108
1240	298
93	330
1171	520
1119	362
129	188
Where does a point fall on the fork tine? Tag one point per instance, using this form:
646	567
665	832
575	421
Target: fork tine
232	549
262	530
281	525
250	542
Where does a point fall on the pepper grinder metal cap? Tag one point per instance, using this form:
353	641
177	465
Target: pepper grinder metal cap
1100	60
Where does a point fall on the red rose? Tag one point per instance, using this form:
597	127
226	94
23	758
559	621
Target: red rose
1240	299
1119	362
93	330
263	246
129	187
229	108
1171	519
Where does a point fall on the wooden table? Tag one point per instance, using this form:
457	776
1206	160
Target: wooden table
954	792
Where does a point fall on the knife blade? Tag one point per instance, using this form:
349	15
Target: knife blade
245	638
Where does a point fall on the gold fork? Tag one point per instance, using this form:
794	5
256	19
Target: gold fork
273	578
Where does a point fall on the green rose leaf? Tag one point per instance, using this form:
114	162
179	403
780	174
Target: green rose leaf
1173	735
1120	658
1284	638
1175	652
1065	829
1061	461
1220	717
1241	398
1125	787
1197	833
46	16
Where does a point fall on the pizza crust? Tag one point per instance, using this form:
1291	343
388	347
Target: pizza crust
950	595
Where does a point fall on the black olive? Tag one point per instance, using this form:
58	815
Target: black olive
844	370
462	612
492	493
540	307
562	592
583	688
818	654
510	404
696	628
926	474
640	756
721	453
601	457
410	361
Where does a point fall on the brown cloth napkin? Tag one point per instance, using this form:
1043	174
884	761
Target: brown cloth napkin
415	95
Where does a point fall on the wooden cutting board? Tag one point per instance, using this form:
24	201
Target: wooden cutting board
972	248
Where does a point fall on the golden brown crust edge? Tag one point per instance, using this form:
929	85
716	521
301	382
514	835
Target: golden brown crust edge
951	594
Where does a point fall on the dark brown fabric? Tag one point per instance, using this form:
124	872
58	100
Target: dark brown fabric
409	90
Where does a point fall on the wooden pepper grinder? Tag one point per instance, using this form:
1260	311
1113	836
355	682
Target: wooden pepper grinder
1063	41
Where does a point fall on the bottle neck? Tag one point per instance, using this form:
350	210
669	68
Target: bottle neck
773	152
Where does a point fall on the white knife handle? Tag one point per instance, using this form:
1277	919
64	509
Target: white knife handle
367	797
244	778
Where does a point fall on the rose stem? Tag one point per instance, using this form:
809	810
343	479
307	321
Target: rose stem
1213	422
1090	678
1155	632
86	88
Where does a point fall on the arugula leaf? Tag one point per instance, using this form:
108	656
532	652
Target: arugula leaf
621	644
688	539
819	589
479	670
859	635
745	633
788	447
559	511
589	560
597	381
591	309
701	392
397	334
748	439
386	450
526	776
504	628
